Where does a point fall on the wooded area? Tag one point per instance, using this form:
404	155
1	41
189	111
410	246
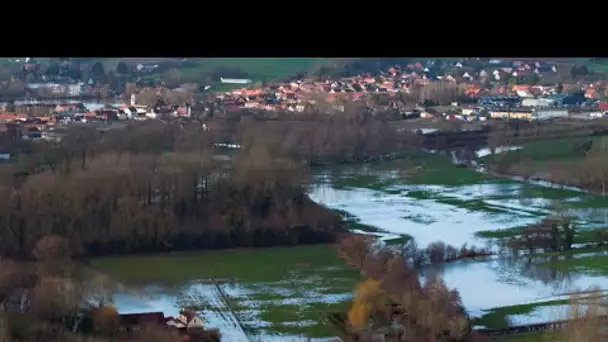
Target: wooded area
158	186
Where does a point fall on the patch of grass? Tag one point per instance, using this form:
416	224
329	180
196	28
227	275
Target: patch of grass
257	68
582	236
345	214
421	194
295	319
591	202
472	204
420	218
403	239
431	169
356	225
596	265
368	181
246	265
439	170
556	157
498	318
543	151
500	233
530	191
353	223
572	252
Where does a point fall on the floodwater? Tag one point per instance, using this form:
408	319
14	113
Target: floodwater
444	213
236	309
222	298
428	213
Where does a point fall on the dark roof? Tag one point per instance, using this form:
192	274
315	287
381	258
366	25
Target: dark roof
143	318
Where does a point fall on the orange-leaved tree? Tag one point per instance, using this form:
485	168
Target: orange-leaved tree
368	298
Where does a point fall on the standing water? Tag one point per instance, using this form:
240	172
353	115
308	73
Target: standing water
282	295
453	212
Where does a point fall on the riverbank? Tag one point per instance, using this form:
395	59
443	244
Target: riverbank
559	162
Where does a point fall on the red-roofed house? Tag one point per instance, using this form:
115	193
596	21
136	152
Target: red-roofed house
602	105
12	117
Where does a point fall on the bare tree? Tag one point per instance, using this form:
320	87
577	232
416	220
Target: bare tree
171	78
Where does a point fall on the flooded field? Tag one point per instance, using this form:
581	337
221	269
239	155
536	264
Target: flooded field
272	294
453	205
279	293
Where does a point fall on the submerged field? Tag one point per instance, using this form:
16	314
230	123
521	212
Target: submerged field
251	292
279	293
460	206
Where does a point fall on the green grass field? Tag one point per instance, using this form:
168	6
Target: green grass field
540	153
434	168
247	264
257	68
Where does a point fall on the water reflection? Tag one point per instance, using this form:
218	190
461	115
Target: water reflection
454	213
535	268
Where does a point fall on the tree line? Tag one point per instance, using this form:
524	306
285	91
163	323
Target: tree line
155	187
354	135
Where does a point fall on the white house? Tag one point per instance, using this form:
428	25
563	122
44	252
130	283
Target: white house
74	89
235	80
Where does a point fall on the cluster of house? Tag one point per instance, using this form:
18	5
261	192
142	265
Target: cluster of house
42	125
292	96
525	101
493	100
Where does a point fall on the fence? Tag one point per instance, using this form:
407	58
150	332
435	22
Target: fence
520	329
337	321
529	328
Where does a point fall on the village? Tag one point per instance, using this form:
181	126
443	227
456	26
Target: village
471	92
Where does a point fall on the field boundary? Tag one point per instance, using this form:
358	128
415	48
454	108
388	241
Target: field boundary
531	328
337	321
